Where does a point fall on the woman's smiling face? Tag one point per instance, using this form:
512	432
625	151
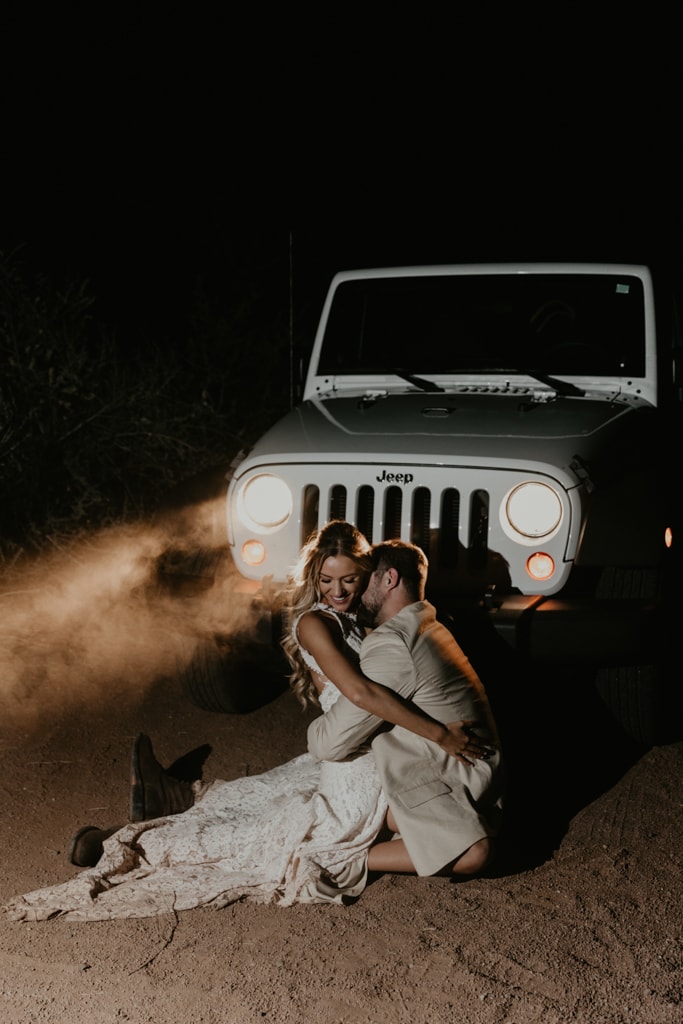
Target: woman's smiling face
341	583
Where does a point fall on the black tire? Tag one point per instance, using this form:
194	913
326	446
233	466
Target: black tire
631	584
645	699
638	703
228	676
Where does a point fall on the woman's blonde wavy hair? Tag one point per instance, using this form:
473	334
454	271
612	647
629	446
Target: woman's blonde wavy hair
336	538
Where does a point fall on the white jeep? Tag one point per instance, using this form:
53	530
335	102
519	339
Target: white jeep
520	423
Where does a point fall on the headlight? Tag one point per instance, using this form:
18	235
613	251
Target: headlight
531	511
265	503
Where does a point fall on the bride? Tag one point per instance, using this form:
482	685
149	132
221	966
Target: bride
300	832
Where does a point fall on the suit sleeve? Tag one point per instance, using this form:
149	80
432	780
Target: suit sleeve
385	657
341	731
345	727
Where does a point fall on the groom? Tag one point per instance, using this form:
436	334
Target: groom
444	812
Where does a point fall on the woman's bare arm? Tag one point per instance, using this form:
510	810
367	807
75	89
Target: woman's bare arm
322	639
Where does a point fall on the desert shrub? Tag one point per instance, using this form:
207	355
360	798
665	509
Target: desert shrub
95	428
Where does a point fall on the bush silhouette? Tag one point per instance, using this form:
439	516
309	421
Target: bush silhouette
95	428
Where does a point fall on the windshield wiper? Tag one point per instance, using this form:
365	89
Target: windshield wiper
563	387
419	382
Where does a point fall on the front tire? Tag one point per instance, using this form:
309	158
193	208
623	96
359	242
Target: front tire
234	677
631	694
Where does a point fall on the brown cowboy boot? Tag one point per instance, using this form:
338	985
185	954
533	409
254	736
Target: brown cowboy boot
86	846
154	793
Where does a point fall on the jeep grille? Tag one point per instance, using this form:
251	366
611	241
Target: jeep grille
396	512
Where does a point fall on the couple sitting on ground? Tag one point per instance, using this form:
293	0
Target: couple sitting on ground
403	771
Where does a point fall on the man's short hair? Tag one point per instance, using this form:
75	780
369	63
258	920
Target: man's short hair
409	561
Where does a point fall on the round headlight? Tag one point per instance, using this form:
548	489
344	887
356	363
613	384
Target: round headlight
265	502
533	510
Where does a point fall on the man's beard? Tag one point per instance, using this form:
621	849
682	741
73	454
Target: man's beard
366	616
370	606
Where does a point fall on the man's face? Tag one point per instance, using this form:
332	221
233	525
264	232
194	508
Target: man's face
372	598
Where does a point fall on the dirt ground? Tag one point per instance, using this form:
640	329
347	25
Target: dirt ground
580	920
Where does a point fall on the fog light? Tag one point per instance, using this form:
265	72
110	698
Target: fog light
540	566
253	552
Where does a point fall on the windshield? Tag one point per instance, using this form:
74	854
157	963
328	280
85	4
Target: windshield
571	324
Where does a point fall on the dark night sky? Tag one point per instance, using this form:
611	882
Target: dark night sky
141	152
143	269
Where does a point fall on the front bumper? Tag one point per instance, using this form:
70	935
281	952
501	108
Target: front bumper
550	629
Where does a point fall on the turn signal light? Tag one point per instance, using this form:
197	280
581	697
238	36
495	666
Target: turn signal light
540	566
253	552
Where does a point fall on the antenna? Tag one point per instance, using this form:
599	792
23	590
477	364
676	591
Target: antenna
291	320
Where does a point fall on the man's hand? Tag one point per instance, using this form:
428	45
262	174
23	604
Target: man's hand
462	743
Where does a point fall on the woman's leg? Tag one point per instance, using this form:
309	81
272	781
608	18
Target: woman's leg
392	856
473	860
389	856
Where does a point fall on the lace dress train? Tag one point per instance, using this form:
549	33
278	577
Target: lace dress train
298	833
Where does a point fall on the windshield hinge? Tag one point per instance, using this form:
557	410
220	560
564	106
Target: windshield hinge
580	470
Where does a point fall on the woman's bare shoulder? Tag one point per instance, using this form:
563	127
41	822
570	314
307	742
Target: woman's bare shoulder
314	620
317	624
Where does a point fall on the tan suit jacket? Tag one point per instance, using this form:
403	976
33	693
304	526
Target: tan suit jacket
441	806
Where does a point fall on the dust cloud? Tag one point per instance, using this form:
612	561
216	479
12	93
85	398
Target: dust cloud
111	613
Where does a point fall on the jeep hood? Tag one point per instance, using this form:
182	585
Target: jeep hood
435	427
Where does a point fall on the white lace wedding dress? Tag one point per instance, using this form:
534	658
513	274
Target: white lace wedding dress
296	834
